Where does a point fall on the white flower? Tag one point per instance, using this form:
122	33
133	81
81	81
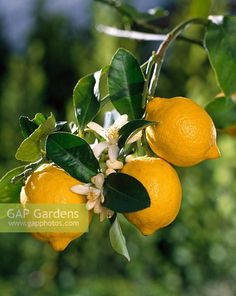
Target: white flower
95	197
111	136
130	157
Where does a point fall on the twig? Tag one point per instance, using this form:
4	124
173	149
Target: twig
161	52
141	35
116	5
148	73
130	34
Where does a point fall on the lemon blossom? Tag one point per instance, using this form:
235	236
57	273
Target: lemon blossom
95	197
111	136
94	190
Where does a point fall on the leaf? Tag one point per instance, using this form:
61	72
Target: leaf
124	194
73	154
86	99
131	128
26	172
125	83
117	239
222	111
133	14
30	148
9	192
220	43
62	126
27	126
39	119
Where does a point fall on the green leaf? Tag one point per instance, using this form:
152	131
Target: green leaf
27	126
133	14
62	126
27	171
9	192
73	154
86	99
131	128
39	119
222	111
125	83
117	239
220	43
30	148
125	194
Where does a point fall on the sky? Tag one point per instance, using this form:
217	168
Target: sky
16	16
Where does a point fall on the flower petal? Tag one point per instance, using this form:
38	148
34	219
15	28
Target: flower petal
115	165
99	148
102	198
120	121
93	194
98	180
90	204
80	189
97	128
107	119
135	137
129	157
97	207
103	215
113	151
109	171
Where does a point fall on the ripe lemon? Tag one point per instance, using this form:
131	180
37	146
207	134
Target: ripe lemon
163	186
185	134
51	185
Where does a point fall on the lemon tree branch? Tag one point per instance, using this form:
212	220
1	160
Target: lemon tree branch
159	57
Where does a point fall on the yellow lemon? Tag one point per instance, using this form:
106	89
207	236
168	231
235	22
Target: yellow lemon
163	186
51	185
185	134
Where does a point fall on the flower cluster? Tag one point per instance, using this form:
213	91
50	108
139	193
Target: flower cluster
94	190
95	197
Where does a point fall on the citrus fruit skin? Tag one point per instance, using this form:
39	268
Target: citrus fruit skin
164	188
51	185
185	134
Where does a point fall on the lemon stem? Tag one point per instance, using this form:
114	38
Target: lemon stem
81	133
148	73
159	56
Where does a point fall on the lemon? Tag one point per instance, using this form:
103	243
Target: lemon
164	188
51	185
185	134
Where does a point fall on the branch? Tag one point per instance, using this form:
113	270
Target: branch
161	52
141	35
130	34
